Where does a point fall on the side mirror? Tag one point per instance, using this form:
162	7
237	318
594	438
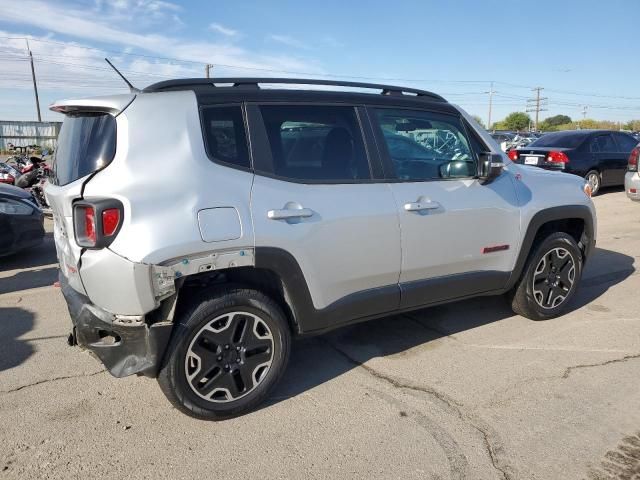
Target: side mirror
490	167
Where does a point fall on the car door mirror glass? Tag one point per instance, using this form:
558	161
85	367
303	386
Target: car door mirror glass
457	169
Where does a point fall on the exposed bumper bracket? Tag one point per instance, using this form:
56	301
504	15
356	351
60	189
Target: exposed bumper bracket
125	349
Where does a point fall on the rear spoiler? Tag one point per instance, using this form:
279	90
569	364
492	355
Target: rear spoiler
113	104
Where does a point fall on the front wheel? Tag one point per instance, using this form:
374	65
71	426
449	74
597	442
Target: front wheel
550	279
227	353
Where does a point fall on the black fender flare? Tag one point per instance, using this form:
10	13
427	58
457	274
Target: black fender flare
563	212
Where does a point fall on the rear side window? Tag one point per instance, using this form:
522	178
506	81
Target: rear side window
315	143
625	142
225	137
86	143
603	143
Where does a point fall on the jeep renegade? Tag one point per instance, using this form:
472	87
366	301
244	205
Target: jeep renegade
201	224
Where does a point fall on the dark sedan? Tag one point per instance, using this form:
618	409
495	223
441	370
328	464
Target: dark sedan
600	156
21	221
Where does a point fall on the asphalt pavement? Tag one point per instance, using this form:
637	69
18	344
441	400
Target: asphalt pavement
461	391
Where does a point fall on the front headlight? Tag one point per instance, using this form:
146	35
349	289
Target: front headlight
14	207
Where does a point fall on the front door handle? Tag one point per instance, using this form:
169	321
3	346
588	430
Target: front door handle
421	205
287	213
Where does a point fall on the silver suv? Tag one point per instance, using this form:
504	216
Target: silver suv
201	224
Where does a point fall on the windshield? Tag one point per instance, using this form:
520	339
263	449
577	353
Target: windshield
560	139
86	144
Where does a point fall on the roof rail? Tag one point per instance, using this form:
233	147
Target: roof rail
187	83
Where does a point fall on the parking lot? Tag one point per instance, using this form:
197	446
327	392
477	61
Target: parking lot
465	390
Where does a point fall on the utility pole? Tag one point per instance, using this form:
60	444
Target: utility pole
490	92
536	105
207	70
584	115
33	76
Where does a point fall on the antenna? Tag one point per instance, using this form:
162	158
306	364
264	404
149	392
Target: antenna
131	87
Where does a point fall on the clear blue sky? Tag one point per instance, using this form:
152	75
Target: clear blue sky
582	52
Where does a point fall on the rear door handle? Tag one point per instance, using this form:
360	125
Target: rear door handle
288	213
421	205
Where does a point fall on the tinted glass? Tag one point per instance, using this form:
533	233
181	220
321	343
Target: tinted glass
560	139
225	137
425	145
315	143
86	143
603	143
625	142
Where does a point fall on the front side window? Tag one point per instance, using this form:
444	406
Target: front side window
225	137
315	143
426	145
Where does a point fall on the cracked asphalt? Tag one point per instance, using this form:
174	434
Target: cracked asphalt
461	391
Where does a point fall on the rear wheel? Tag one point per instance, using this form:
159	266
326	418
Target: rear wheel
594	180
550	279
227	353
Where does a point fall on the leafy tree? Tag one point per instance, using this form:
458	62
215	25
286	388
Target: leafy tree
479	120
557	120
516	121
553	123
633	125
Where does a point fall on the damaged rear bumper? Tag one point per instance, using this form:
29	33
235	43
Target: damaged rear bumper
125	348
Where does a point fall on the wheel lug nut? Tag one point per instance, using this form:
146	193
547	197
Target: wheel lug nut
226	347
226	367
237	349
237	360
219	357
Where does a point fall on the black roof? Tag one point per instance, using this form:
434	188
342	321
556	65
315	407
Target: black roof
207	86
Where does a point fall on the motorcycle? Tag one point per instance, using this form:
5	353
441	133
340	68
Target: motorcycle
33	177
8	173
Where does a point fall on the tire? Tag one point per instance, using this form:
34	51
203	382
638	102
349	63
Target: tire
595	180
226	354
543	293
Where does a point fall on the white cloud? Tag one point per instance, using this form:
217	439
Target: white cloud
288	41
68	64
226	31
69	21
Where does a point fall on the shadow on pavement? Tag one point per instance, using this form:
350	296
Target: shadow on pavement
14	322
43	254
29	279
606	190
315	361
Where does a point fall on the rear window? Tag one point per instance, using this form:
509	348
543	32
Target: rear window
561	140
86	144
225	136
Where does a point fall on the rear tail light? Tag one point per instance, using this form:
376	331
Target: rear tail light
7	178
87	232
110	221
558	158
96	223
632	166
513	155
